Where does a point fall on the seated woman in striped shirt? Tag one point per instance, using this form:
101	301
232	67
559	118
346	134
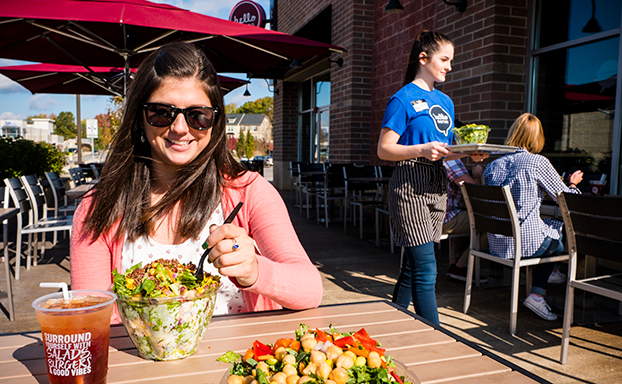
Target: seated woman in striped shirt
530	177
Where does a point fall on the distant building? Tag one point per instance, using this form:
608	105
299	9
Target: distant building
35	129
258	125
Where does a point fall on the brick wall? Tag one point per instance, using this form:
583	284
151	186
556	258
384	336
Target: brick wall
487	83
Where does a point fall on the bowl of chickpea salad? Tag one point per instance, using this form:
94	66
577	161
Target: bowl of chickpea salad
316	357
164	308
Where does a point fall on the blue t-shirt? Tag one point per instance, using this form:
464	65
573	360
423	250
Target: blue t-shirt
420	116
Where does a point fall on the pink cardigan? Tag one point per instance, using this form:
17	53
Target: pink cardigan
287	278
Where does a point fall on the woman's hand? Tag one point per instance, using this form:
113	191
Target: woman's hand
434	150
233	253
576	178
479	157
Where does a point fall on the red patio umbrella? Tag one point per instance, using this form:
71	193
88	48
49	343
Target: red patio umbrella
74	79
120	33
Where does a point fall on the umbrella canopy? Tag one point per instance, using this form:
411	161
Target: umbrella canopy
120	33
74	79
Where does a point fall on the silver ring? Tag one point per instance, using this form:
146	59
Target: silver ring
235	245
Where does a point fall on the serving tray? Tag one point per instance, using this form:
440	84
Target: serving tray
477	148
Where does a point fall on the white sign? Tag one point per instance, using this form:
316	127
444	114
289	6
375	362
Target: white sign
91	129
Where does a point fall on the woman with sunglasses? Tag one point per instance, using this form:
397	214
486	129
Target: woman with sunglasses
166	186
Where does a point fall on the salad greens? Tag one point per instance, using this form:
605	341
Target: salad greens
317	357
472	134
164	308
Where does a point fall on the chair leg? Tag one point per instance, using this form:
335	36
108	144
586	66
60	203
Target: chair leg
377	230
345	215
317	209
361	221
568	314
326	210
528	280
7	270
468	285
514	300
18	252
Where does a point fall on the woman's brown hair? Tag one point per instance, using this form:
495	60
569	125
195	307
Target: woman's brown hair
124	190
526	132
428	42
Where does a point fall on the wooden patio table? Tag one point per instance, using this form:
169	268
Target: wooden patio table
79	191
432	353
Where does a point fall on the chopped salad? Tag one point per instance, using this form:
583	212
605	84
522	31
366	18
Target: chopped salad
472	134
315	357
164	308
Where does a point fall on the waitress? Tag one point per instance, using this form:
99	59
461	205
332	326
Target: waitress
416	130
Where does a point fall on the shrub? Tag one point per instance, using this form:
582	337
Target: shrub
19	157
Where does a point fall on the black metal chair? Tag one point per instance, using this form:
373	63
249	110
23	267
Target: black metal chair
593	228
311	180
333	190
360	194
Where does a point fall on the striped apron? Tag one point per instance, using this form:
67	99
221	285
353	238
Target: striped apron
417	201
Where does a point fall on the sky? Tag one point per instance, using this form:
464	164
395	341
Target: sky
16	102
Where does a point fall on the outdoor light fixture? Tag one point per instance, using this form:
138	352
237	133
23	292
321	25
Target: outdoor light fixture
295	63
592	25
461	5
394	6
271	84
247	93
339	61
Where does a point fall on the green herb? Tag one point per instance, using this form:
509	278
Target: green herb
229	357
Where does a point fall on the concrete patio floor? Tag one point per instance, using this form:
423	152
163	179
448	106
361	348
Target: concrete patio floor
355	270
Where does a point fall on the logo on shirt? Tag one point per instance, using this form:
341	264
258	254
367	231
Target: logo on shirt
441	118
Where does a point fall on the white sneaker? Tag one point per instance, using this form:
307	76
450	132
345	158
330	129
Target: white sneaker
540	308
557	277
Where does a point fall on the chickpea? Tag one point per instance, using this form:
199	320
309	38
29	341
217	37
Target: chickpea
306	336
330	363
308	344
280	353
339	375
310	368
330	382
333	352
373	360
324	370
317	357
345	362
289	359
360	361
289	370
351	354
304	379
292	379
263	366
279	378
249	379
254	382
235	379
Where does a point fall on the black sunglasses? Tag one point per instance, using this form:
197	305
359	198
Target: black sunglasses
163	115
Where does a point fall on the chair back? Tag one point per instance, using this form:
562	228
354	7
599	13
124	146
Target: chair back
333	177
94	170
87	171
385	170
316	168
20	199
36	194
58	190
491	209
593	224
76	176
357	189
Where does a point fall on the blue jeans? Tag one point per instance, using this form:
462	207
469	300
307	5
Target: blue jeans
541	272
417	281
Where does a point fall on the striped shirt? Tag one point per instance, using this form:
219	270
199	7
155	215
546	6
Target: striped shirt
530	178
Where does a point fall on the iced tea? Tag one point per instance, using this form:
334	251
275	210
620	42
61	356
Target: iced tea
75	335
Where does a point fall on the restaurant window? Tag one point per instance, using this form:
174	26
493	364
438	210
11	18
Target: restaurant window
575	66
313	119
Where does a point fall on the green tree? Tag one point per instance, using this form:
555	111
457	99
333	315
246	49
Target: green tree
231	108
265	105
240	146
20	157
65	125
250	145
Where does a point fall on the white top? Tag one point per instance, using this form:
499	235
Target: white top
229	298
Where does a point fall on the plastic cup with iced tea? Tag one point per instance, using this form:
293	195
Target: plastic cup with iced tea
75	335
598	187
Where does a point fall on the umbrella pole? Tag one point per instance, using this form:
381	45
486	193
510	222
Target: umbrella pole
78	128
